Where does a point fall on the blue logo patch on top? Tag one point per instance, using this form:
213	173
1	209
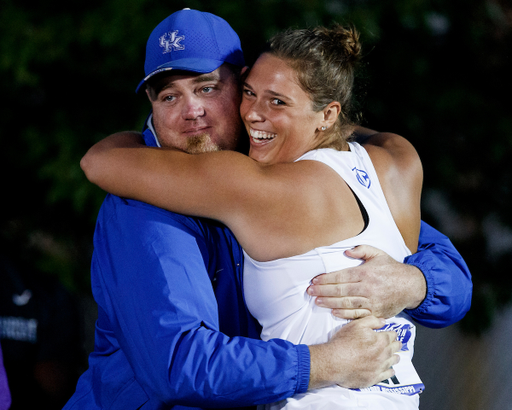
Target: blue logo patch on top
362	177
403	332
171	42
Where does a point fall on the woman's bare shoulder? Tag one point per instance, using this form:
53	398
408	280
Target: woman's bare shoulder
306	205
392	150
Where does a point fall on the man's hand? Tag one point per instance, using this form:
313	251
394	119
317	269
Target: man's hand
356	356
380	286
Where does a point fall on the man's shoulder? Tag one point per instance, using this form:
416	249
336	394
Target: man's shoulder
115	207
129	215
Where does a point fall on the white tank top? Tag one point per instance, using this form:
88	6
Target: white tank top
275	291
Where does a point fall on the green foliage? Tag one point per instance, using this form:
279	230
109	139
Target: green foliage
436	72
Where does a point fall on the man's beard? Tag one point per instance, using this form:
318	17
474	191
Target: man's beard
201	143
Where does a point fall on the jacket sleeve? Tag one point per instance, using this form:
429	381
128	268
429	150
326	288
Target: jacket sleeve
449	286
163	312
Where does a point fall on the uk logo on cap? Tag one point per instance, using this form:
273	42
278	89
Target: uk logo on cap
171	41
210	42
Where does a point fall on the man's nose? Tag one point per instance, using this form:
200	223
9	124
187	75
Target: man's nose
193	108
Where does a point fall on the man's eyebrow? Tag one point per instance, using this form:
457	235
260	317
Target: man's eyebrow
166	86
206	77
199	79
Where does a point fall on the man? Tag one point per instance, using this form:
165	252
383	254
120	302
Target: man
168	287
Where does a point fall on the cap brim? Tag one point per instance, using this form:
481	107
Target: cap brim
195	65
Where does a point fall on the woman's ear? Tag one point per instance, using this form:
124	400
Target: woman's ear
330	115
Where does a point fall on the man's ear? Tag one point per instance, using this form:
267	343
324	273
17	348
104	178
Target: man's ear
244	70
148	93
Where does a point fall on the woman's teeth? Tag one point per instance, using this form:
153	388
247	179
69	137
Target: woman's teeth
262	135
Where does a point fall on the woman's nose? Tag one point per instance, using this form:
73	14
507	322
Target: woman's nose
253	112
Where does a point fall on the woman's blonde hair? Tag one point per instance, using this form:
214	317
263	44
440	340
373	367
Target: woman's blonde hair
324	60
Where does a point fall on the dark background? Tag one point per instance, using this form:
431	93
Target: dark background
436	72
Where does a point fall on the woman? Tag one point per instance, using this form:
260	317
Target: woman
303	196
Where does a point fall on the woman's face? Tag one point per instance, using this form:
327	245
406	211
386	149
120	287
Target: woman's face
277	113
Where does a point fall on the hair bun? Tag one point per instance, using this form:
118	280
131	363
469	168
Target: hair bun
343	41
324	60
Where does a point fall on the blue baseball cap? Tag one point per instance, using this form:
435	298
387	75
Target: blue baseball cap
191	40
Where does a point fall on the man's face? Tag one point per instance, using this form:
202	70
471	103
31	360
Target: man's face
197	112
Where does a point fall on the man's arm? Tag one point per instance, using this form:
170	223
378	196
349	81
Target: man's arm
449	285
353	353
158	296
434	285
446	275
380	286
384	287
163	313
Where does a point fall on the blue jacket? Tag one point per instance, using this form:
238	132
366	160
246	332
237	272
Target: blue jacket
156	277
449	285
173	329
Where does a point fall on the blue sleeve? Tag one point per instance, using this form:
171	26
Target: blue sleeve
158	296
449	286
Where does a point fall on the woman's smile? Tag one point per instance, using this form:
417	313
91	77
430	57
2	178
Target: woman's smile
261	137
278	114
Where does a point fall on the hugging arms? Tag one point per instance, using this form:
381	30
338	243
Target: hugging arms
172	317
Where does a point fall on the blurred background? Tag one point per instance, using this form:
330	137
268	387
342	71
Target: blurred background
436	72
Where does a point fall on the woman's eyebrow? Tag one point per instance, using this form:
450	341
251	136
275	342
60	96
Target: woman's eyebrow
272	93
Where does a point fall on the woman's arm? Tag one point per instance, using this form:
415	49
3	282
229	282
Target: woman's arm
121	164
274	211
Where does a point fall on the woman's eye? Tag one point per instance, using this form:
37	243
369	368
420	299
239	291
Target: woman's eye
277	101
248	92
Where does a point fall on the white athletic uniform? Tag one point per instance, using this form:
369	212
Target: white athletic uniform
275	293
